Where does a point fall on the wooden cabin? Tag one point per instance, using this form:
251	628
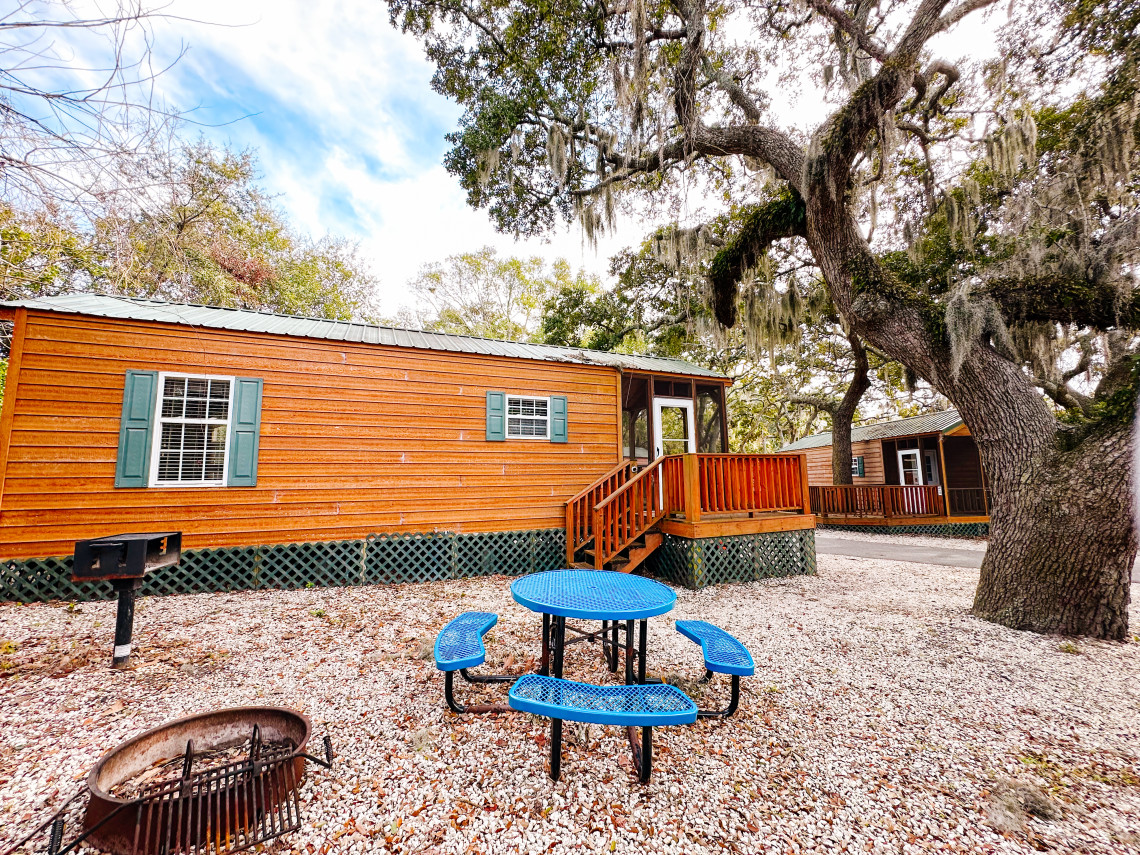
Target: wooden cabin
921	470
246	430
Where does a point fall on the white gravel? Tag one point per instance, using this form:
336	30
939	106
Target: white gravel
882	719
973	543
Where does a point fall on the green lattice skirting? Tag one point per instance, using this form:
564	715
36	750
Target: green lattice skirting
377	559
934	529
741	558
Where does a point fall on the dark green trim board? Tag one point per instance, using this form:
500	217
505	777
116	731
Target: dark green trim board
132	465
374	560
496	416
559	420
708	561
933	529
245	430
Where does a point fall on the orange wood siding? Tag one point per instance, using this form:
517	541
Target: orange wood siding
355	439
819	463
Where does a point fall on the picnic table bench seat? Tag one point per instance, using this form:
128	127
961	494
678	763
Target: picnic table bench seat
724	654
644	706
458	647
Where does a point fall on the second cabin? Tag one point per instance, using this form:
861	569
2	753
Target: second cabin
922	472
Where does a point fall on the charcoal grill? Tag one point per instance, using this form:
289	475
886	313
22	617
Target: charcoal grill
124	560
241	803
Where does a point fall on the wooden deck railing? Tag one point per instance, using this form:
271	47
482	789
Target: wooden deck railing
878	500
968	501
580	508
750	482
629	512
618	508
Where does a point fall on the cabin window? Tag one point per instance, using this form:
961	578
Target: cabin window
857	467
192	428
528	418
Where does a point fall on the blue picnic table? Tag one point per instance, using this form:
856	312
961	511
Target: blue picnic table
615	599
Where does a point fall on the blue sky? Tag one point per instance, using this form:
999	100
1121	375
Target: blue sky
349	134
350	137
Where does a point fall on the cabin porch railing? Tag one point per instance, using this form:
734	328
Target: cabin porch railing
731	483
689	486
632	510
968	501
580	508
878	500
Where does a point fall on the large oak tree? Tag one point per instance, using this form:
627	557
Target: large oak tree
998	266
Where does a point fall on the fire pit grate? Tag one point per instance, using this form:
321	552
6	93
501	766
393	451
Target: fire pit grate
229	807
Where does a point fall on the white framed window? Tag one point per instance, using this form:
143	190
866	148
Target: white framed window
857	466
191	430
528	418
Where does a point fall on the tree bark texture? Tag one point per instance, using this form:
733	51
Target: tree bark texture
841	418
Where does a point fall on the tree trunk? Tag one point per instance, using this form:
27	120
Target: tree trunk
1062	541
841	418
1062	536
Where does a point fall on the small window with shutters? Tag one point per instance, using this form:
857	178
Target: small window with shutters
192	428
857	467
527	417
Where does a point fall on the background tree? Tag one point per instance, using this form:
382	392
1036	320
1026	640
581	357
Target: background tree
76	99
575	110
481	294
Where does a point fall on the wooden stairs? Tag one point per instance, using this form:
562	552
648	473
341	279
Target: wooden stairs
629	559
613	522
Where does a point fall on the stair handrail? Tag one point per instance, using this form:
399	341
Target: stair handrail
579	507
627	513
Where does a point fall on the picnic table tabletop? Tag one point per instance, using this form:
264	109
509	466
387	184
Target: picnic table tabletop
593	595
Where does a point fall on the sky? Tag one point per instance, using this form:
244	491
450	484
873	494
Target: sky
349	135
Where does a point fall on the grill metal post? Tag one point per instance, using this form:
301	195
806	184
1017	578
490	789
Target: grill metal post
124	619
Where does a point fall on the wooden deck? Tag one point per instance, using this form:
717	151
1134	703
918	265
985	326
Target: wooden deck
735	524
894	505
899	521
687	495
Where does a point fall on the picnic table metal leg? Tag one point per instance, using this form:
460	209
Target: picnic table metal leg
614	653
559	630
456	707
642	753
643	637
629	652
544	666
555	748
732	704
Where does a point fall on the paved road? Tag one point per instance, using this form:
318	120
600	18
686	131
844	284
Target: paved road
830	543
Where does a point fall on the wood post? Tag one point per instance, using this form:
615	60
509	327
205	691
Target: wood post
570	534
945	483
692	476
806	499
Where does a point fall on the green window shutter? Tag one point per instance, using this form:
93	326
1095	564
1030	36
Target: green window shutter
245	428
860	463
558	422
496	416
132	466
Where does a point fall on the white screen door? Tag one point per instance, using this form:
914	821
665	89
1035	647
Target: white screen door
910	472
910	475
674	427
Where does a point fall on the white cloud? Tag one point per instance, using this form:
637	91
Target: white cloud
348	131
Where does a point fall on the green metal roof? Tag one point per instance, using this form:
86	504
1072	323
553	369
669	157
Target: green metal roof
242	320
935	423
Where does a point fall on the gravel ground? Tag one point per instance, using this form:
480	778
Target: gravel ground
974	543
882	718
